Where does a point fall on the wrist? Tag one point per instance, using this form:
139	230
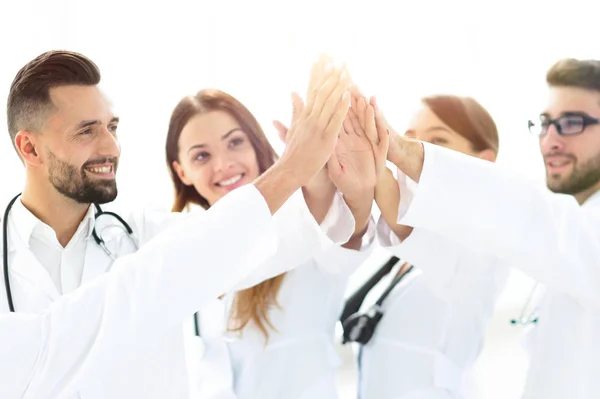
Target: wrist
355	242
360	199
277	184
361	211
408	156
320	186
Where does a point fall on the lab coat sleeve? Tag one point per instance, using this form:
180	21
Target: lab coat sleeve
338	260
448	267
302	239
145	295
445	263
483	206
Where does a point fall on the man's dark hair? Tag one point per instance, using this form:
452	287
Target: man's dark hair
29	101
570	72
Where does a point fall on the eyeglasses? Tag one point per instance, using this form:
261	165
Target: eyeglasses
566	125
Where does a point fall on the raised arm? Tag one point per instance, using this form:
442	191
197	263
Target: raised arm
144	295
171	277
548	236
387	198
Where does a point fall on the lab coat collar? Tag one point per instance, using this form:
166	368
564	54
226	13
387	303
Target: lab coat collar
23	263
24	222
593	200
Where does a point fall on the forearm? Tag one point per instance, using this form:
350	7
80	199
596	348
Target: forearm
318	194
408	156
387	198
361	210
498	211
144	295
277	184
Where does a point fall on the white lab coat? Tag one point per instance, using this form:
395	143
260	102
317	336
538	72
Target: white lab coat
299	361
434	319
156	369
548	236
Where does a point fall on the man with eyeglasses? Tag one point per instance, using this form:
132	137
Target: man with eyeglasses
552	236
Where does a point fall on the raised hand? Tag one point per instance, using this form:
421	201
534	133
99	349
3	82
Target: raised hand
319	191
387	191
352	164
378	126
393	149
281	130
313	134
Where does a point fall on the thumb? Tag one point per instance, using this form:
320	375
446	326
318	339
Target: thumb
297	106
281	129
334	168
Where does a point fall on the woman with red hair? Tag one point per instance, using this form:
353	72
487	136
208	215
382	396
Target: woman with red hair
431	309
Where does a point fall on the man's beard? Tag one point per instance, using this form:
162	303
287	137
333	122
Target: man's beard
75	184
583	177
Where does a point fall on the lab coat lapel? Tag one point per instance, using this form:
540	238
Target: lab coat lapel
30	281
97	262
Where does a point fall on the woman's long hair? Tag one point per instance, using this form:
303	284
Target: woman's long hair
252	304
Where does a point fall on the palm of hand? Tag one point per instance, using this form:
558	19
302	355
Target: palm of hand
354	156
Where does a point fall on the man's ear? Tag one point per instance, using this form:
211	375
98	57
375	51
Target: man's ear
26	145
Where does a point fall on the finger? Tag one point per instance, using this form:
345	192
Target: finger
355	103
329	97
329	79
281	130
380	152
379	117
361	110
356	127
297	106
316	73
371	127
322	72
355	90
334	169
348	126
384	142
339	114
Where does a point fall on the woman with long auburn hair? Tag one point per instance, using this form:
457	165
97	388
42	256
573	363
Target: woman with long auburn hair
279	332
440	296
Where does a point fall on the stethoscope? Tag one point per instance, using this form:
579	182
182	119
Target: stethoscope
97	237
525	319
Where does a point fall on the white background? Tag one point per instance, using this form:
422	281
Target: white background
154	53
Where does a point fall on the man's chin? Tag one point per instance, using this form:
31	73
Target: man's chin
106	197
556	183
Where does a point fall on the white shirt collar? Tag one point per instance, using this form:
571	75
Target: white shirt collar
26	223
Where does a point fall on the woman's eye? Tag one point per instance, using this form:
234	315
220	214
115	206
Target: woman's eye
236	141
202	156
